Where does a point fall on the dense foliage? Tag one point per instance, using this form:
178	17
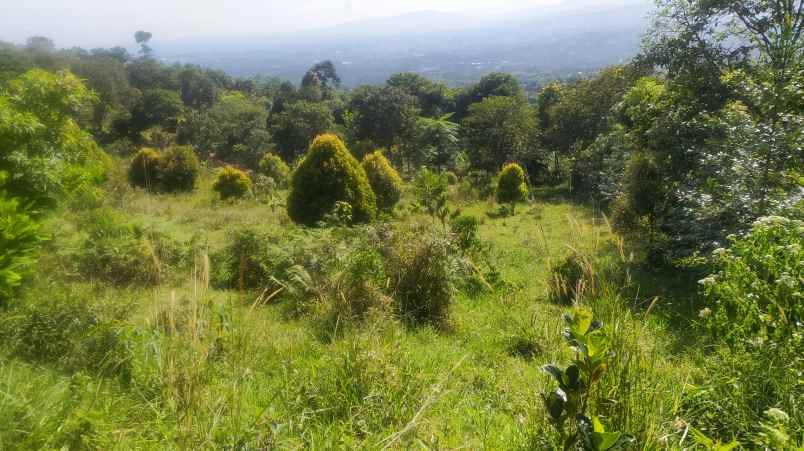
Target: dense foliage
174	170
20	237
330	174
274	167
384	180
232	183
511	184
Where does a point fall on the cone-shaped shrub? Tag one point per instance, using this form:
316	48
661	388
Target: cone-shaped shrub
328	174
511	187
384	180
144	169
232	183
178	169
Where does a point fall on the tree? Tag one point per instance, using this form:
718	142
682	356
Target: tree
40	44
499	129
233	130
492	85
197	89
434	98
383	115
298	124
329	175
45	152
148	73
142	38
435	142
157	107
108	78
322	74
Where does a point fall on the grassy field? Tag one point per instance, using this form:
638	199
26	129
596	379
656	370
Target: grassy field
183	364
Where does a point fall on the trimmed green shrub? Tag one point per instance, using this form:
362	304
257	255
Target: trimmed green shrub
384	180
232	183
511	186
328	174
274	167
178	169
144	169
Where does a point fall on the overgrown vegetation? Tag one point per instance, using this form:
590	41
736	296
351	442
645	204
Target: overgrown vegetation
408	301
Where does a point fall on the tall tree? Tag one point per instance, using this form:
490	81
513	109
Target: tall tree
500	130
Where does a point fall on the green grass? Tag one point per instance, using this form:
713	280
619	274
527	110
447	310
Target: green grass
205	369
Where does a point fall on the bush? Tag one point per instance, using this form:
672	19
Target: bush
122	253
421	278
570	279
511	186
144	169
464	228
384	180
328	174
175	170
431	192
70	328
756	294
452	179
274	167
232	183
178	169
19	242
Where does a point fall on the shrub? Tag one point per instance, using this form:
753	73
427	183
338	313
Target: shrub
570	279
144	169
384	180
232	183
431	192
452	179
19	242
328	174
511	186
122	253
756	294
421	278
274	167
567	405
70	328
178	169
464	228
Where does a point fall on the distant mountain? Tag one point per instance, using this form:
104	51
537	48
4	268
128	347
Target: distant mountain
459	49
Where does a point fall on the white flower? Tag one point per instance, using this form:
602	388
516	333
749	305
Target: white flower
708	281
770	220
794	248
705	313
720	252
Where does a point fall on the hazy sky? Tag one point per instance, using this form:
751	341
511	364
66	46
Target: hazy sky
93	23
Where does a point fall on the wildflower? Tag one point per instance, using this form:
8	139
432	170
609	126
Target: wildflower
794	248
770	220
708	281
705	313
777	414
720	252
